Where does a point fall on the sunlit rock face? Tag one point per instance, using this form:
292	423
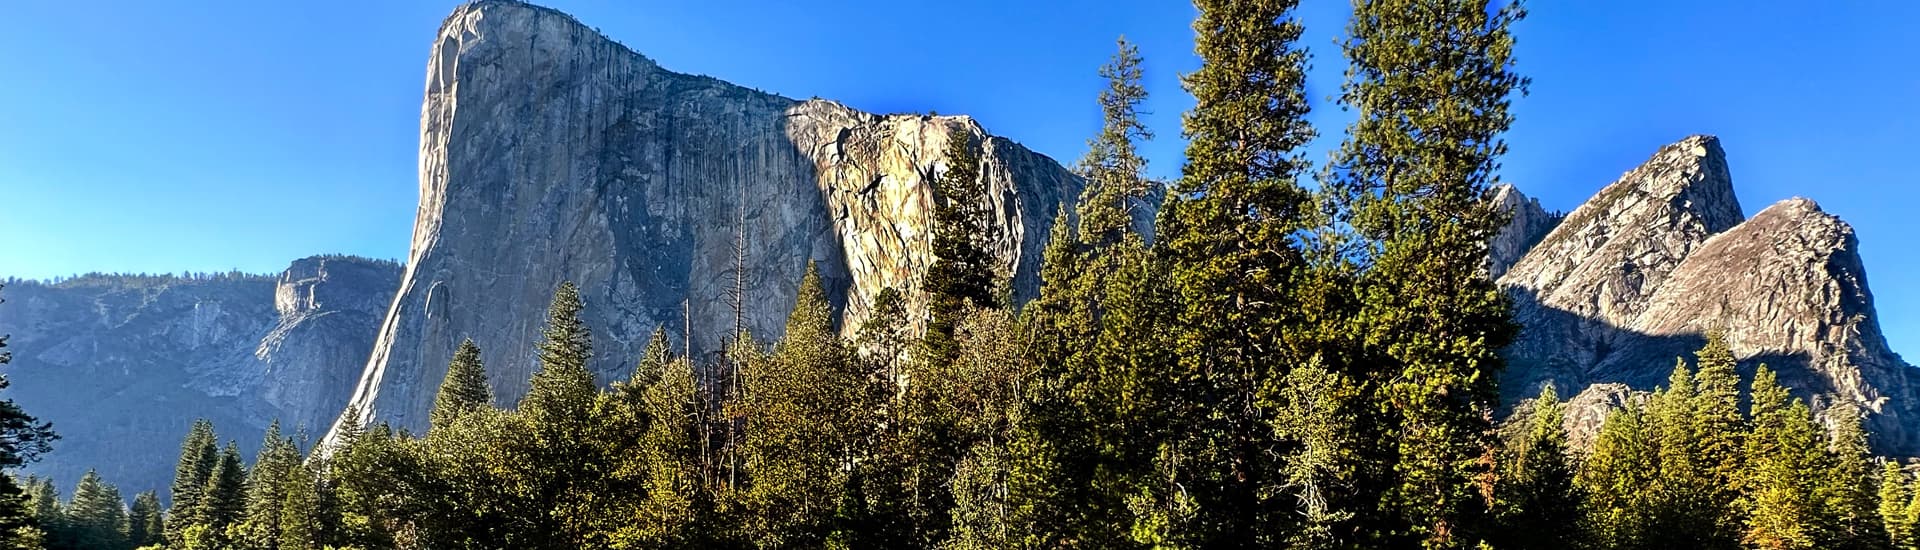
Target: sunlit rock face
122	365
550	153
1640	273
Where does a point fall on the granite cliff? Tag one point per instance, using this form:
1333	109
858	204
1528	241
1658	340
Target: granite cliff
1639	274
549	152
122	364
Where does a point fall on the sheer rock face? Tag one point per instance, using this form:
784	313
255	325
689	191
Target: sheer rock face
1639	274
1527	225
123	364
550	153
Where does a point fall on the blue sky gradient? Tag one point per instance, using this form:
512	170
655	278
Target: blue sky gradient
207	136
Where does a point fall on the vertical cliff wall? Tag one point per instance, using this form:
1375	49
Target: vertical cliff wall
550	153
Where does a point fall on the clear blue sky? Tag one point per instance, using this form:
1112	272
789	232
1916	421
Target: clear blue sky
204	136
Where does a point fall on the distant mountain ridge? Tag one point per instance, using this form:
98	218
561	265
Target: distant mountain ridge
1637	275
121	364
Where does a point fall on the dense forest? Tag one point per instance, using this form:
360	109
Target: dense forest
1302	357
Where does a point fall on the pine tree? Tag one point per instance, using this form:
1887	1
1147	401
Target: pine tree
806	416
1717	429
96	517
145	521
267	488
1431	84
1618	478
565	453
43	499
302	520
1113	168
19	529
223	502
1785	454
198	457
1846	490
562	390
668	454
1540	505
465	387
1090	424
962	275
1896	491
1316	417
1227	234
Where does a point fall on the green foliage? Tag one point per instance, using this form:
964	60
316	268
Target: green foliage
806	415
1539	504
1227	236
465	388
96	517
1895	506
145	521
303	523
1431	84
267	485
562	391
20	529
198	457
1618	479
963	274
1317	416
223	502
1113	167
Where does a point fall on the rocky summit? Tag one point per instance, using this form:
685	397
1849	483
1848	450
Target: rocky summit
122	364
550	153
1640	273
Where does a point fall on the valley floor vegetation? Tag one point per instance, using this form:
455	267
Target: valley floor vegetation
1281	365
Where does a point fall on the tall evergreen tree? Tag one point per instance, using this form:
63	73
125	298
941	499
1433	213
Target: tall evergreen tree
465	387
19	528
1716	428
808	412
1114	170
302	519
1896	491
1618	477
267	488
668	454
43	503
561	393
564	450
223	502
962	275
1227	234
1540	506
1785	455
199	454
145	521
1082	453
1846	490
1431	84
97	517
